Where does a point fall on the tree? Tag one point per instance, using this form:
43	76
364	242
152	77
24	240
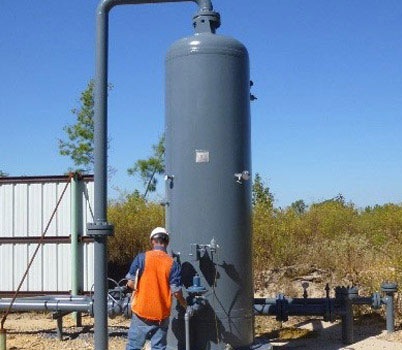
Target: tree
79	145
339	198
148	168
3	174
299	207
261	193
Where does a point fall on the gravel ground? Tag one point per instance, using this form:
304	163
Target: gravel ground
37	331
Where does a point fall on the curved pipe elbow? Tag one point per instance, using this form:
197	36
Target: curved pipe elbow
205	5
105	6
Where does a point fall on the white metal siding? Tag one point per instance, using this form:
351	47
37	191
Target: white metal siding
25	209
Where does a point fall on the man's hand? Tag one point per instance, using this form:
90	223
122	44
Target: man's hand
180	299
130	284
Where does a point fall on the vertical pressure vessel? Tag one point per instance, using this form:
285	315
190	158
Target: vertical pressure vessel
207	143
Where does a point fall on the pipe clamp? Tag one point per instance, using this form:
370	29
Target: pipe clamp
100	229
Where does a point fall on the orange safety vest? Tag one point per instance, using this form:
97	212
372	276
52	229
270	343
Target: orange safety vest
152	299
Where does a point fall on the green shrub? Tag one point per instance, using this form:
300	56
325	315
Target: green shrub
133	218
362	247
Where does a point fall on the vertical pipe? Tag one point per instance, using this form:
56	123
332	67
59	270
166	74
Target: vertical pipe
389	289
347	321
100	157
76	246
187	329
389	305
3	335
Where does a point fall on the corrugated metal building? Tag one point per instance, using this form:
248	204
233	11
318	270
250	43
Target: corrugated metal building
26	205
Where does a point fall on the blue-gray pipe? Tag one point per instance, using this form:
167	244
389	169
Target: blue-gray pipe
291	310
388	300
48	305
100	157
294	301
187	317
68	304
106	5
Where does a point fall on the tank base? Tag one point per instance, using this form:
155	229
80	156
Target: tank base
234	333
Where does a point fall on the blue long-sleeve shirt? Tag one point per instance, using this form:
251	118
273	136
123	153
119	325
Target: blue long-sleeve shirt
139	264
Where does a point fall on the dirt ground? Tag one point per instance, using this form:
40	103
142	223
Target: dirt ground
315	334
37	331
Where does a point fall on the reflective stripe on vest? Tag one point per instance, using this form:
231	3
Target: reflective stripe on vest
153	298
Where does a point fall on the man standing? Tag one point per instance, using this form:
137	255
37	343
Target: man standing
153	276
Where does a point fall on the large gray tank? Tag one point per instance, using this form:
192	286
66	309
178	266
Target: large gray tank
207	143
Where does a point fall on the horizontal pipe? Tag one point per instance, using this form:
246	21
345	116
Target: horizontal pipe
306	310
51	298
41	179
4	294
265	309
259	301
293	301
362	301
67	304
47	305
291	310
46	240
106	5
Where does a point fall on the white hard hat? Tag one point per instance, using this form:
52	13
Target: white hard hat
157	230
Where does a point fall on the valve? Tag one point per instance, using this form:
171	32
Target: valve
305	286
243	176
327	290
196	289
376	301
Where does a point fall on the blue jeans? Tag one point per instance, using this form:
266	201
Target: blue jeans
141	330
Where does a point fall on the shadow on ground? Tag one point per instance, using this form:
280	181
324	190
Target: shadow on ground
311	334
71	333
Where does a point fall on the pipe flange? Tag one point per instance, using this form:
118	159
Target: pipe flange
206	21
376	301
281	307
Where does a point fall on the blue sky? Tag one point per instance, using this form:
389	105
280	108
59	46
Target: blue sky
327	74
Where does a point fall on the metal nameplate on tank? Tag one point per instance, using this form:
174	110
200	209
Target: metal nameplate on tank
201	156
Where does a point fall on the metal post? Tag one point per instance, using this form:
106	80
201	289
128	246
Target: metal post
100	229
77	229
60	328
